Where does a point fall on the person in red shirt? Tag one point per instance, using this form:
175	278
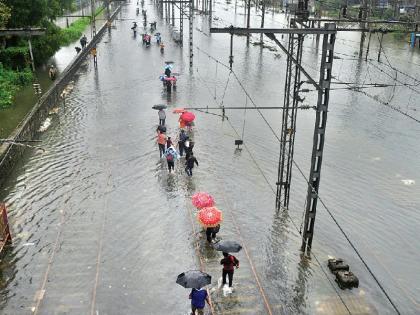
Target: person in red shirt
161	140
229	262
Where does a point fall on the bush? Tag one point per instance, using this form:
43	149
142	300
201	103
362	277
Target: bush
10	82
15	57
75	31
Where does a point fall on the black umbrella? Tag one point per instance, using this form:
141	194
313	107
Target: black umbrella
161	128
193	279
159	106
228	246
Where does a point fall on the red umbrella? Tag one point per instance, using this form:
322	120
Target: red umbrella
202	200
187	117
210	216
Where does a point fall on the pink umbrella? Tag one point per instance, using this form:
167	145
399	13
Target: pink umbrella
202	200
187	117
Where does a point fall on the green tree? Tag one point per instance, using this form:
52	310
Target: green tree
5	13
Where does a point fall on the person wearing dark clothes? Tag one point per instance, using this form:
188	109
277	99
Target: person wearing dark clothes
181	143
162	117
228	262
168	72
83	41
198	298
78	49
188	149
211	232
189	164
168	142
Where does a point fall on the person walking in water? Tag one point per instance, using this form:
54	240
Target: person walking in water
171	155
211	232
162	117
198	298
181	142
52	72
189	164
83	41
228	262
161	140
189	146
168	142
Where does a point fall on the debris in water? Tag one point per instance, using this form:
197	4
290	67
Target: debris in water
53	111
408	182
45	125
29	244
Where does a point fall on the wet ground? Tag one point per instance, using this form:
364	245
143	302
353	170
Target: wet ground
100	227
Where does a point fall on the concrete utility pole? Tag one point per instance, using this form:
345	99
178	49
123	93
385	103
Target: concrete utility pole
248	14
92	18
363	17
263	17
191	25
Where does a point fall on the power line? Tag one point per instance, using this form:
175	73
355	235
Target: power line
314	191
287	214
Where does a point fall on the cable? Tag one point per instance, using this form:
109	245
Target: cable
314	191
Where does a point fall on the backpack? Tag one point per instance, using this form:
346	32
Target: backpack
169	157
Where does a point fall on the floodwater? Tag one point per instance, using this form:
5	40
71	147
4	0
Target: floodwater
100	227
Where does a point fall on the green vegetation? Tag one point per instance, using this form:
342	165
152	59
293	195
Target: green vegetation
75	30
10	81
14	53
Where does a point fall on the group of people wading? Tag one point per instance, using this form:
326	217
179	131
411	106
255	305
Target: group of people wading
173	152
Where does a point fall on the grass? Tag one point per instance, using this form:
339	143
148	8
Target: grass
76	29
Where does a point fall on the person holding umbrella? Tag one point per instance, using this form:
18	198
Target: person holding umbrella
211	233
198	298
228	262
196	279
162	117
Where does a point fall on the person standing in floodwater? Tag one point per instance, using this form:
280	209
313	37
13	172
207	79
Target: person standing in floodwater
228	262
171	155
83	41
189	164
181	142
189	146
161	140
162	117
211	233
198	298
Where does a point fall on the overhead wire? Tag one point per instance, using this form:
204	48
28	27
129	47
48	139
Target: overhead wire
314	191
288	215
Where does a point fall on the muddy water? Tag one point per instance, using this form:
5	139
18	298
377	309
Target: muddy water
100	226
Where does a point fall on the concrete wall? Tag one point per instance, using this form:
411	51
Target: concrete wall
28	129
